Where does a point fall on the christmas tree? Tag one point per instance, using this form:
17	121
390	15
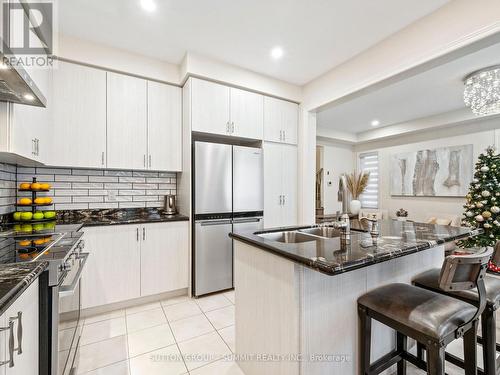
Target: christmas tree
482	209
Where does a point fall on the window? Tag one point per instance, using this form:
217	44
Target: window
369	163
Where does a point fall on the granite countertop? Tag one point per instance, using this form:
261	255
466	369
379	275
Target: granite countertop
333	256
89	218
15	279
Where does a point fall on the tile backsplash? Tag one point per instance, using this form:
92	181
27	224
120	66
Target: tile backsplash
79	189
7	188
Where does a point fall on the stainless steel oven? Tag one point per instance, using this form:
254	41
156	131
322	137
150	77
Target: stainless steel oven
66	325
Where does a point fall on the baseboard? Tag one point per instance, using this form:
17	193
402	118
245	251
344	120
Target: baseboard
131	303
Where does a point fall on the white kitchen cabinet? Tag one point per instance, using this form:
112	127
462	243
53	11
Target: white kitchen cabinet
210	111
164	257
130	261
29	125
112	272
126	122
280	184
164	127
222	110
247	108
23	313
79	126
280	121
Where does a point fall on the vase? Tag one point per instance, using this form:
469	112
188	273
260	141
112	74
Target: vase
355	206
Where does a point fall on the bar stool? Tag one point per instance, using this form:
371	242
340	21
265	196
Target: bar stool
430	280
432	319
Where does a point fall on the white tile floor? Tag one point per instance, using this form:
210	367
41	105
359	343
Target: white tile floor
176	336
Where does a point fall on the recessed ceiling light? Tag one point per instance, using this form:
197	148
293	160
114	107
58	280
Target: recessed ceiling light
277	53
148	5
29	97
375	123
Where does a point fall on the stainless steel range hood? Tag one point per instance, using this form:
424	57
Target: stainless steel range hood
16	86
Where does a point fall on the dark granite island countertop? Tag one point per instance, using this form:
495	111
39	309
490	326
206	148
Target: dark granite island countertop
100	217
15	279
332	256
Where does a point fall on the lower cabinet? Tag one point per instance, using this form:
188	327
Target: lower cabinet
130	261
20	332
164	257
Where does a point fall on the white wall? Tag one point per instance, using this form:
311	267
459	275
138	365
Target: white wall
337	159
116	59
420	207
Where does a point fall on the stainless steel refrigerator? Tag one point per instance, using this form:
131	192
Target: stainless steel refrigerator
228	195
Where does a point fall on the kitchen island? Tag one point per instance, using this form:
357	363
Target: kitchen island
297	290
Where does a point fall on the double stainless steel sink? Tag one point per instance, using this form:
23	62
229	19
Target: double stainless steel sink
302	235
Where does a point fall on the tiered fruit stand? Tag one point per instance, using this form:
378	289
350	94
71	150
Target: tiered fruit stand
34	234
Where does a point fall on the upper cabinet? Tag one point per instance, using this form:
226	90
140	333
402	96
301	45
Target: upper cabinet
210	107
126	122
280	121
164	127
79	127
223	110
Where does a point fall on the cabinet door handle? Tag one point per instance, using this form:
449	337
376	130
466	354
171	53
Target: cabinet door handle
284	200
137	229
150	161
232	127
10	328
281	200
284	135
33	147
143	234
144	160
37	151
19	319
281	135
102	158
227	127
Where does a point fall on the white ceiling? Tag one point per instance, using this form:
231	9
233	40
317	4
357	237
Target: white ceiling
316	35
435	91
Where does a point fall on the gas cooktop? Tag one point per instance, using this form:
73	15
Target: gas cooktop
33	242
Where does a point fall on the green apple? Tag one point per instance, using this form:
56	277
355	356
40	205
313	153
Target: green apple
26	216
38	227
27	228
49	214
17	216
38	215
50	225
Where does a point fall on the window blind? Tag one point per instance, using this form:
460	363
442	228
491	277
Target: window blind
368	162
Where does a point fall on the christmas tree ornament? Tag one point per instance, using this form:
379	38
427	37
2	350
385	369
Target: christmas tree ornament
486	214
495	209
479	205
485	193
469	214
487	226
479	218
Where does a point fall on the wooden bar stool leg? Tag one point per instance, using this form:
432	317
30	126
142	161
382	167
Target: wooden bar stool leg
470	350
435	359
365	341
488	333
402	345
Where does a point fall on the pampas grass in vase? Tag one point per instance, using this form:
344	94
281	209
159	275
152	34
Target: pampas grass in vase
356	184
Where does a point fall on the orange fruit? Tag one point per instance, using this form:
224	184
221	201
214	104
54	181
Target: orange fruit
39	241
25	186
24	243
25	201
45	186
35	186
40	200
48	200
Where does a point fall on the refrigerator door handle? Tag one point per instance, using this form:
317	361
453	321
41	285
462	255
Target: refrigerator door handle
214	222
238	221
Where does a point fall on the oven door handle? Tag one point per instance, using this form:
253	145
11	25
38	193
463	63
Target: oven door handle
70	289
